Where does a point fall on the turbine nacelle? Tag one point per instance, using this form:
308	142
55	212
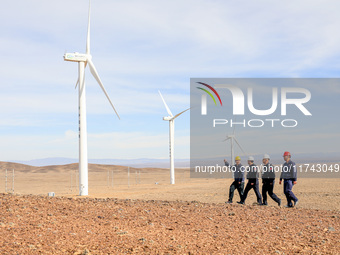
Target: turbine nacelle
168	118
76	57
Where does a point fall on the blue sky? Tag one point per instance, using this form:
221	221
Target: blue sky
140	47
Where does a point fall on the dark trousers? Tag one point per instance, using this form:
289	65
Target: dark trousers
268	186
255	186
239	187
287	189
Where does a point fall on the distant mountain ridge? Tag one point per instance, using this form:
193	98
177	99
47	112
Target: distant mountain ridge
180	163
142	162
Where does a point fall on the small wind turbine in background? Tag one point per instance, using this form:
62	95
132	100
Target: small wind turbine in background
83	60
233	139
171	120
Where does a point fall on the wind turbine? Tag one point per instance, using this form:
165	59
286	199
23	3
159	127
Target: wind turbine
83	60
233	139
171	120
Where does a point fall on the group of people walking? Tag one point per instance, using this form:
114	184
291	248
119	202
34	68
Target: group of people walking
288	175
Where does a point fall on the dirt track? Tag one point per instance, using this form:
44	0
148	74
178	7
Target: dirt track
42	225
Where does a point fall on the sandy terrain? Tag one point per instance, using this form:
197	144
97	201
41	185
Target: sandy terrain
312	193
142	217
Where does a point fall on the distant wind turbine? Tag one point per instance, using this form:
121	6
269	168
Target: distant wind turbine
233	139
83	60
171	120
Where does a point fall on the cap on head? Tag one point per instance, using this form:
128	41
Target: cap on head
266	156
251	158
287	153
237	158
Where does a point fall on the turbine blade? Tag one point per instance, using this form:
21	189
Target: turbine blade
96	76
180	113
226	139
88	31
239	146
77	83
166	106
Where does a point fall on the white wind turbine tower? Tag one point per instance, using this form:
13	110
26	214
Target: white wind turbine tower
83	60
233	139
171	120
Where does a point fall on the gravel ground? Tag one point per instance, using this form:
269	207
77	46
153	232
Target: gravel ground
58	225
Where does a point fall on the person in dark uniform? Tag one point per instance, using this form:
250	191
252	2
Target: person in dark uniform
253	182
238	182
289	176
268	181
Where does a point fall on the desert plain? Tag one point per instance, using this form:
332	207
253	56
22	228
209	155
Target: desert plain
137	211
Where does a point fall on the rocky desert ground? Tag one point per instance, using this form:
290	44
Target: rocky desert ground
57	225
146	215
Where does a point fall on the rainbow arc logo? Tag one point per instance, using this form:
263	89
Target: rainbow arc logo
204	97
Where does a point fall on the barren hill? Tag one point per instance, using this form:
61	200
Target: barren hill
65	168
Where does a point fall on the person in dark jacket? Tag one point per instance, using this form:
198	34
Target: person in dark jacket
289	176
238	182
253	181
268	181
